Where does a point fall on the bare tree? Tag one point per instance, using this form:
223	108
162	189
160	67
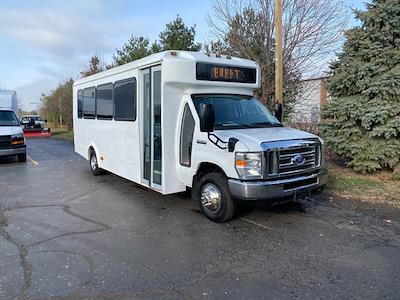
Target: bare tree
312	30
57	105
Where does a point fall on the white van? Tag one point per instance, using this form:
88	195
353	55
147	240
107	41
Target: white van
12	140
181	119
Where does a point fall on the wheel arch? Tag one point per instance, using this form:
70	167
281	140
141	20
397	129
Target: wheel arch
205	168
91	148
227	207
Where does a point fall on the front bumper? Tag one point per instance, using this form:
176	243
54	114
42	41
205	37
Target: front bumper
13	151
281	188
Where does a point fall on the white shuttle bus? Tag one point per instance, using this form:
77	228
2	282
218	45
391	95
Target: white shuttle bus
180	119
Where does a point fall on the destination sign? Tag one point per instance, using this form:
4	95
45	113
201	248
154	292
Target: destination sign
213	72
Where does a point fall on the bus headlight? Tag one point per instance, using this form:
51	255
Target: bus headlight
249	164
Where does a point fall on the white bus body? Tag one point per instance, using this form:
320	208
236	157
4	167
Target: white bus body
129	120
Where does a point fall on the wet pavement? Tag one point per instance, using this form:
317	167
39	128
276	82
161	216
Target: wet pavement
67	234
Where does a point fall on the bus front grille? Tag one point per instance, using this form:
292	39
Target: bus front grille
292	158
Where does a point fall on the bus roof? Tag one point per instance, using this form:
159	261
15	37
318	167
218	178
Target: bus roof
173	55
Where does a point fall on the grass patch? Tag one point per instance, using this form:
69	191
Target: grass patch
63	133
342	183
373	187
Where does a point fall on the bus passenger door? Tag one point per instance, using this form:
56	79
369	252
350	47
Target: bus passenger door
152	146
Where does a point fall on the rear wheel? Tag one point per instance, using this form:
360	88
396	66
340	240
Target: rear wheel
212	194
22	157
94	166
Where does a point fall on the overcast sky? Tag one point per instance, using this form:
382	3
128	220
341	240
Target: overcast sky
43	42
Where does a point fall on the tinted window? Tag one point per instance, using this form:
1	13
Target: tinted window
80	103
89	103
187	129
236	112
125	100
157	138
104	101
147	125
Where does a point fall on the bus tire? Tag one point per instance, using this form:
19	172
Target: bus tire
212	194
94	166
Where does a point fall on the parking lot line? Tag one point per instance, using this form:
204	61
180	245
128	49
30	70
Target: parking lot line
33	161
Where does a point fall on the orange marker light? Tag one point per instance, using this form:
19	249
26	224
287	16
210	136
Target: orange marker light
241	163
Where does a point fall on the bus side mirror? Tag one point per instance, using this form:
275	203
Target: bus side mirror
232	143
207	117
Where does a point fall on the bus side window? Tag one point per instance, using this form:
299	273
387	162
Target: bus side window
89	103
104	101
125	100
80	103
186	139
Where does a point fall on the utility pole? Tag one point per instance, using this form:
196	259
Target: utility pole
278	61
61	120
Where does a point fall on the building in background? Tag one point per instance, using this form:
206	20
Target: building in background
8	100
308	104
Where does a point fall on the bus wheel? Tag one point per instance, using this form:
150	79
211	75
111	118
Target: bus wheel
214	198
94	167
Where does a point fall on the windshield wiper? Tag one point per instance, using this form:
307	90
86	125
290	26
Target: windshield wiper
233	124
267	124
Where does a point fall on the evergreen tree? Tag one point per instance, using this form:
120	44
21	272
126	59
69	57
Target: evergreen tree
217	47
95	66
177	36
362	122
135	48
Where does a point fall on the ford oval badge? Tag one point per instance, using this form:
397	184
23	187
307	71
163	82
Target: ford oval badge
298	160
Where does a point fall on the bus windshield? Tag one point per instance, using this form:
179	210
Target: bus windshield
237	112
8	118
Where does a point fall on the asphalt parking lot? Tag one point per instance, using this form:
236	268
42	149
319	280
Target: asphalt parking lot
65	233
